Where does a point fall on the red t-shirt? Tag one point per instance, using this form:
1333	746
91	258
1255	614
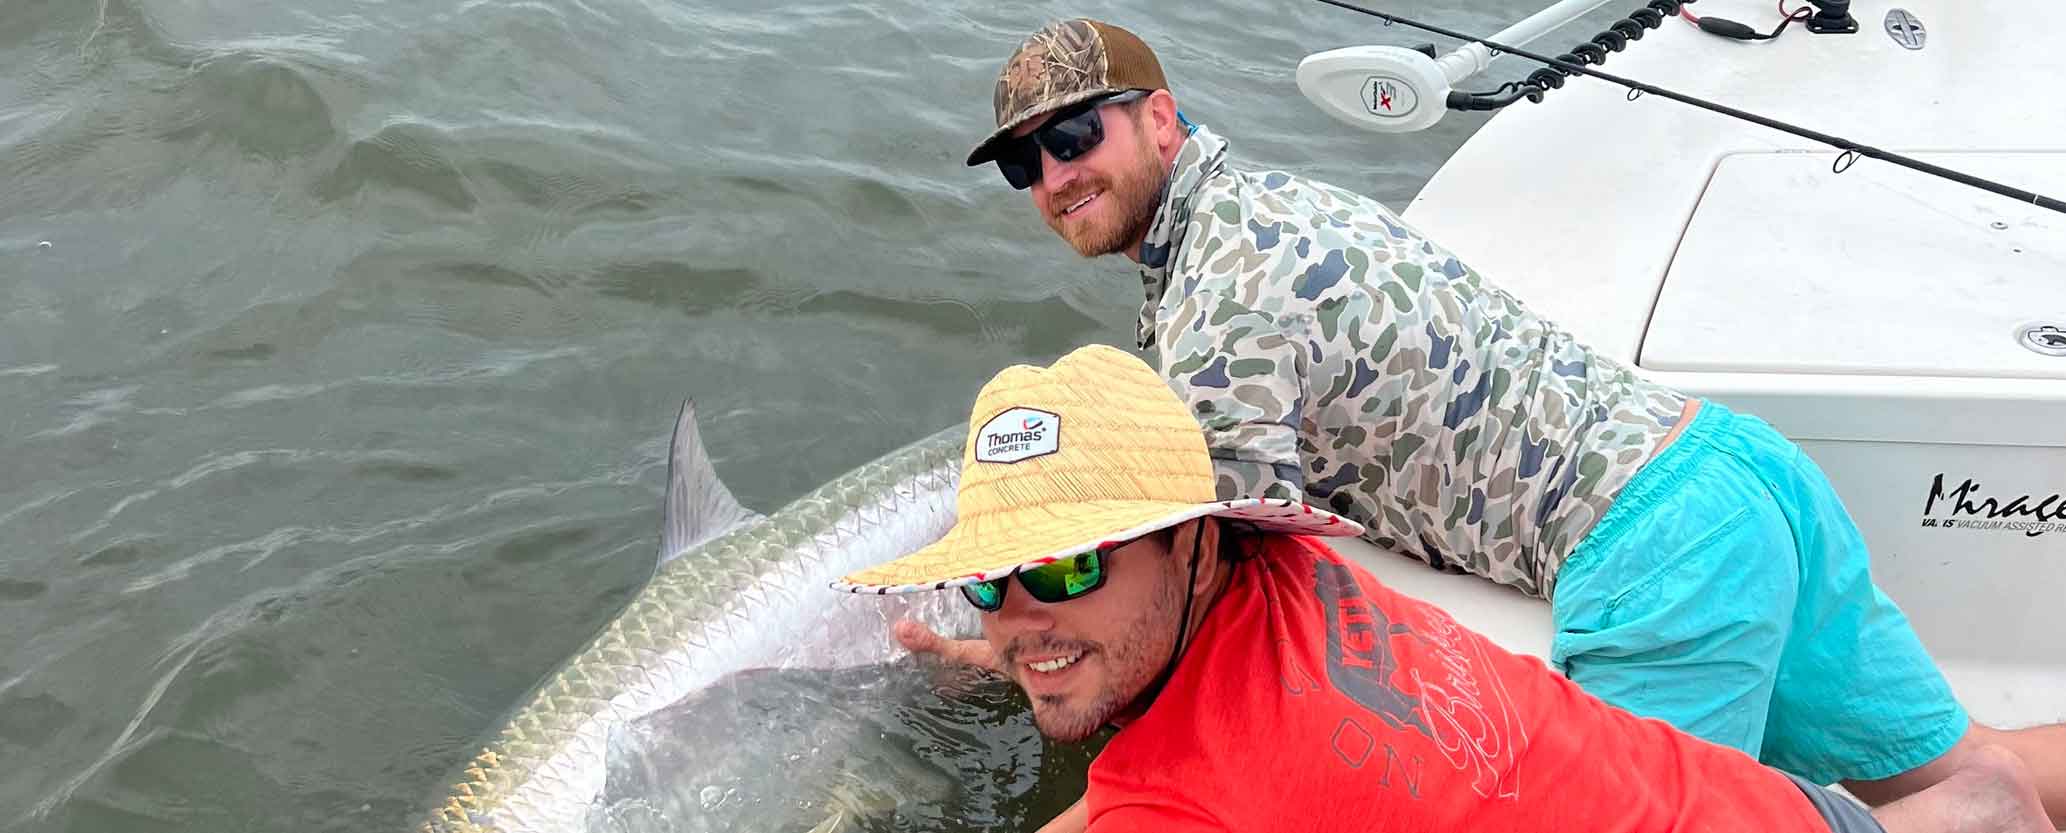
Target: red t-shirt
1316	699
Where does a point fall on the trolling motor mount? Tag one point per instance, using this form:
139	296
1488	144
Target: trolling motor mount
1388	89
1832	17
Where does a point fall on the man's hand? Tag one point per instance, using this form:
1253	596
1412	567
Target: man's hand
919	639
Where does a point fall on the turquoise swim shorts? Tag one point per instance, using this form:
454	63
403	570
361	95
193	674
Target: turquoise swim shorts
1727	592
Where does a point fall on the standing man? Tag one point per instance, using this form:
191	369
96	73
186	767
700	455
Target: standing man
1699	567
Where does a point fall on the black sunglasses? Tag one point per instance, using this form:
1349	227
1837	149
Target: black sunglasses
1059	581
1067	134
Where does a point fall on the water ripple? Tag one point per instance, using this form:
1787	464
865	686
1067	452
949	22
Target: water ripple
344	388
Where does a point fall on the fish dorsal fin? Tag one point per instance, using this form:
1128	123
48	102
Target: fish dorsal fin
698	506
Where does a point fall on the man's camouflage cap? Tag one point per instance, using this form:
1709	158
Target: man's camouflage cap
1062	64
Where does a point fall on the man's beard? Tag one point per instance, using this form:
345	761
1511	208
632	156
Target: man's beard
1132	660
1134	196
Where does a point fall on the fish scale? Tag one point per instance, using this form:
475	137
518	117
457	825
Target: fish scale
704	614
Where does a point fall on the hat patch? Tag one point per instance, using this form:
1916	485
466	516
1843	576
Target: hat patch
1018	434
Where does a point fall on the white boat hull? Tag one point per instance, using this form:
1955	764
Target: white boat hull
1871	316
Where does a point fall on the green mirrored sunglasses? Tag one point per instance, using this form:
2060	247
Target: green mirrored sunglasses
1067	578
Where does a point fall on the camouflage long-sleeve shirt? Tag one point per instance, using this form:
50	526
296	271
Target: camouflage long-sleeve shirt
1328	348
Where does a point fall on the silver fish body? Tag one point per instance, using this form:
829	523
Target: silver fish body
767	750
744	592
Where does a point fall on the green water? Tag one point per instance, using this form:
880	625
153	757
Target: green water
333	412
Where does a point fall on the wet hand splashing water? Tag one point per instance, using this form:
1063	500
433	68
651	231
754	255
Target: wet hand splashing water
904	746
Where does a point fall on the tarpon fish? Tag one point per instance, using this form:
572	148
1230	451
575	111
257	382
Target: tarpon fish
904	745
734	591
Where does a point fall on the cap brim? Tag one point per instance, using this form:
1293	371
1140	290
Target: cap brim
990	548
986	151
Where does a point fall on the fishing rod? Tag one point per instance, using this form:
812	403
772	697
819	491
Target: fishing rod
1852	150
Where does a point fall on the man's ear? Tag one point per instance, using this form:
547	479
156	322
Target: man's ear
1168	131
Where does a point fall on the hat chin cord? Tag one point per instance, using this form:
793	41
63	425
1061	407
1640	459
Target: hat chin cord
1183	627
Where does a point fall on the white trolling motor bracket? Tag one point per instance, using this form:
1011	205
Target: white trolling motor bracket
1389	89
1393	89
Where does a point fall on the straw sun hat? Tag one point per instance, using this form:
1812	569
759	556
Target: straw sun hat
1090	452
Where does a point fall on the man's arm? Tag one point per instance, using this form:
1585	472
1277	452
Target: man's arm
1076	819
1127	819
1242	371
917	638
